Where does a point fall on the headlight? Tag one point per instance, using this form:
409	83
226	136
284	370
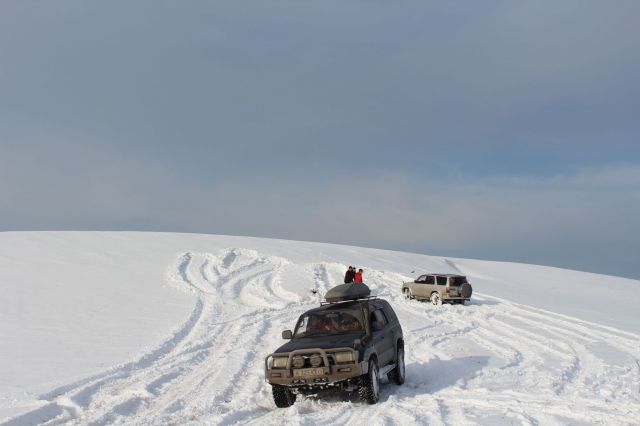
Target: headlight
280	361
344	357
298	362
315	360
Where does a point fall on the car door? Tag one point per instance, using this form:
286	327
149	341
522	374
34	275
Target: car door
441	284
395	329
381	339
417	287
429	286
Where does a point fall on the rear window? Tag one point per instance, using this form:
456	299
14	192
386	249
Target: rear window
457	281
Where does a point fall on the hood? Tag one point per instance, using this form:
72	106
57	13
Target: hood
321	342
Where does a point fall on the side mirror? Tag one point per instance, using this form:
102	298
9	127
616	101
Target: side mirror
287	334
377	326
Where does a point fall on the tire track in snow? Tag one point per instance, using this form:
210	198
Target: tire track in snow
552	354
195	383
490	361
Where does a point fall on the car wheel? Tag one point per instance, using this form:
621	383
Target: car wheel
282	396
466	290
435	298
397	374
407	294
369	389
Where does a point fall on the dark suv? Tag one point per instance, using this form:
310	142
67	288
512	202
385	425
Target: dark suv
347	343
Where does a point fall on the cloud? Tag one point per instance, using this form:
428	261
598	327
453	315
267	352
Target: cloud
476	130
586	220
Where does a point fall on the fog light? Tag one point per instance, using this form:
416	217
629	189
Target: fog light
280	361
298	362
315	360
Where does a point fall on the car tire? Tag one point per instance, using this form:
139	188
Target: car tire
435	298
369	390
407	294
397	375
466	290
282	396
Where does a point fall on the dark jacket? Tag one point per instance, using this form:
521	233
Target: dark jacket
349	276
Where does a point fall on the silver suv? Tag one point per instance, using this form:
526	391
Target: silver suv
438	288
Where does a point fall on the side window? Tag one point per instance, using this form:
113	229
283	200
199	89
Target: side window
430	279
379	316
385	317
421	279
372	318
442	280
388	312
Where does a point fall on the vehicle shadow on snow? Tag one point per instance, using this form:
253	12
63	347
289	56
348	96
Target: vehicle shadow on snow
481	301
421	377
429	377
437	374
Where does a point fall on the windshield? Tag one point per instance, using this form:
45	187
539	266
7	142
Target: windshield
340	321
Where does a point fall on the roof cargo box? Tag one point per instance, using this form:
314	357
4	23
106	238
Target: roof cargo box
343	292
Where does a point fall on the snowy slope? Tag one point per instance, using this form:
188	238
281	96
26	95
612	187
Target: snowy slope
143	328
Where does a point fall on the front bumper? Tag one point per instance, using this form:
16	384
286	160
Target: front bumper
327	374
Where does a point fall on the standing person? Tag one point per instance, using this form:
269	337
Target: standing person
349	275
358	276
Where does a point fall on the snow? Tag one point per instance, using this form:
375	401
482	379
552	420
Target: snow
152	328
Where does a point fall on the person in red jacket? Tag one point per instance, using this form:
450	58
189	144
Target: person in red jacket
358	277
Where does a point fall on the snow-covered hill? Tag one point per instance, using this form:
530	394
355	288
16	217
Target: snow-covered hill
144	328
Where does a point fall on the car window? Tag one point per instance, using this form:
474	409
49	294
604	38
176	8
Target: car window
442	280
388	312
378	315
430	279
421	278
385	318
329	322
372	318
457	281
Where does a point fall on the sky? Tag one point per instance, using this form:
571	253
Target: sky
491	130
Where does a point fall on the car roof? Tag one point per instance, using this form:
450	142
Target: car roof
350	304
443	275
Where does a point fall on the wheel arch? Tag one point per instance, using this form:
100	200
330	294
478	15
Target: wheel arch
373	356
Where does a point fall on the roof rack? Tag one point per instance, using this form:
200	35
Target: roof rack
348	300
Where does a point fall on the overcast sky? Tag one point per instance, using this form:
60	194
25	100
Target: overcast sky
494	130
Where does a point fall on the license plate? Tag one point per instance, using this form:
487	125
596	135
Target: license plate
306	372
